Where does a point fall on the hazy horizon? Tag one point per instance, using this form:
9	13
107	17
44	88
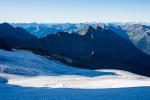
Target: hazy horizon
76	22
74	11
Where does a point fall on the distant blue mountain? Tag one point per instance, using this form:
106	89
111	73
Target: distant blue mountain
41	30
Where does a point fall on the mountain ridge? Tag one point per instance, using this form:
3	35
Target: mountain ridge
96	49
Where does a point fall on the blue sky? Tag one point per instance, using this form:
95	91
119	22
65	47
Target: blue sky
62	11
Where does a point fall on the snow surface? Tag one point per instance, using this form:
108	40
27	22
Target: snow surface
27	76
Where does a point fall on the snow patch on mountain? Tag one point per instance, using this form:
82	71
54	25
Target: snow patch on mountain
26	69
18	61
27	76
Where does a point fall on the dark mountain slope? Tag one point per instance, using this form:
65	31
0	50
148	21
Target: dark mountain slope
97	48
139	35
17	37
5	46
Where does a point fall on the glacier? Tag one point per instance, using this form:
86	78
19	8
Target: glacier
27	76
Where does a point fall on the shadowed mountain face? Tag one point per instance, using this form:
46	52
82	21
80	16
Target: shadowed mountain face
139	35
16	37
117	29
4	45
95	49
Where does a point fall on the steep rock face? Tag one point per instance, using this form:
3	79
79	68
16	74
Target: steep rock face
139	35
117	29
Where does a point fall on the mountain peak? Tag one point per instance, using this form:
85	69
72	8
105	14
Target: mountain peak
87	29
5	26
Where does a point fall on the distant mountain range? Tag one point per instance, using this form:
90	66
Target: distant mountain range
41	30
137	33
92	46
